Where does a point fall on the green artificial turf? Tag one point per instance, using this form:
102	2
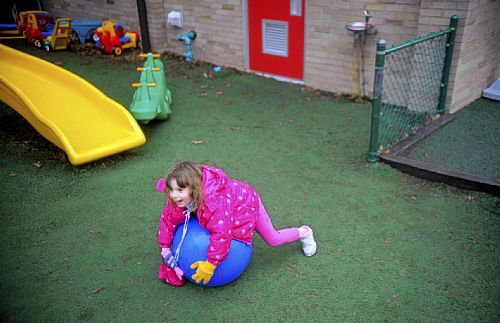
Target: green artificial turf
79	243
470	144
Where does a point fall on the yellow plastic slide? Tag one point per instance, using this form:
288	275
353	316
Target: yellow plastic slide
66	109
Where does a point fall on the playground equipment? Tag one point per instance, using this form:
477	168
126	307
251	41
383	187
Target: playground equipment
41	30
152	99
59	39
194	248
9	29
187	39
18	30
22	19
65	109
110	39
83	30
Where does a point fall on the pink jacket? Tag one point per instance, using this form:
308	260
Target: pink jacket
229	211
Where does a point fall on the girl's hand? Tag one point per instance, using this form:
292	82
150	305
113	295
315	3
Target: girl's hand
178	272
204	271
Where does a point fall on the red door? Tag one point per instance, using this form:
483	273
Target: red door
276	37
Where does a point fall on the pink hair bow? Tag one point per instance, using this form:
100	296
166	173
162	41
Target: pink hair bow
161	185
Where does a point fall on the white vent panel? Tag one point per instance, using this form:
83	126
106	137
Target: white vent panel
275	37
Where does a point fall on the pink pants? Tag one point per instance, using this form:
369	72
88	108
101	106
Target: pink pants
271	236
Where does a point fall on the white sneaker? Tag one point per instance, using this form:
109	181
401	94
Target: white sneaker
307	239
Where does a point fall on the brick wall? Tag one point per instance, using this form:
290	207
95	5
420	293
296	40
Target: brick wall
121	11
219	26
477	61
331	60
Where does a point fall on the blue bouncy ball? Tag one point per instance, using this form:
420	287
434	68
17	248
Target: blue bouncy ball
194	248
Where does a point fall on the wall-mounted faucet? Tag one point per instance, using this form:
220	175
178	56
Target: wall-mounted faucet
187	38
367	15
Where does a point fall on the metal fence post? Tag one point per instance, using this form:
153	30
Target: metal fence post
447	65
377	100
143	24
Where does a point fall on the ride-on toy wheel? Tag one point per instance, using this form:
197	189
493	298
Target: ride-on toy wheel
117	50
73	38
48	47
37	43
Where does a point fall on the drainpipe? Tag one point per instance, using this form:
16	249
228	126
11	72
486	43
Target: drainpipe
143	23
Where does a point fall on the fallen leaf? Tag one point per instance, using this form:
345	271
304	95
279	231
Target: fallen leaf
38	164
197	142
473	240
219	93
97	290
424	186
202	94
12	174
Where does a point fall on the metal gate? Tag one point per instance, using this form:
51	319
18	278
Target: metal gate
411	81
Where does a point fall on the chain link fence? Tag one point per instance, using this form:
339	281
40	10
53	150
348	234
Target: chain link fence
410	87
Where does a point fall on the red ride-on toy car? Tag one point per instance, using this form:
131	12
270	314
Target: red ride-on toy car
42	18
110	39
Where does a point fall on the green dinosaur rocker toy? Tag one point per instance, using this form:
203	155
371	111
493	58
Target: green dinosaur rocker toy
152	99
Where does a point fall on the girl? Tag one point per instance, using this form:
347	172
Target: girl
227	208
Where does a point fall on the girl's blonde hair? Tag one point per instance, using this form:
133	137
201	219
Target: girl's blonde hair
186	174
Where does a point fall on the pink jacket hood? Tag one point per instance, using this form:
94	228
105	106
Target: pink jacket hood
213	179
213	182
